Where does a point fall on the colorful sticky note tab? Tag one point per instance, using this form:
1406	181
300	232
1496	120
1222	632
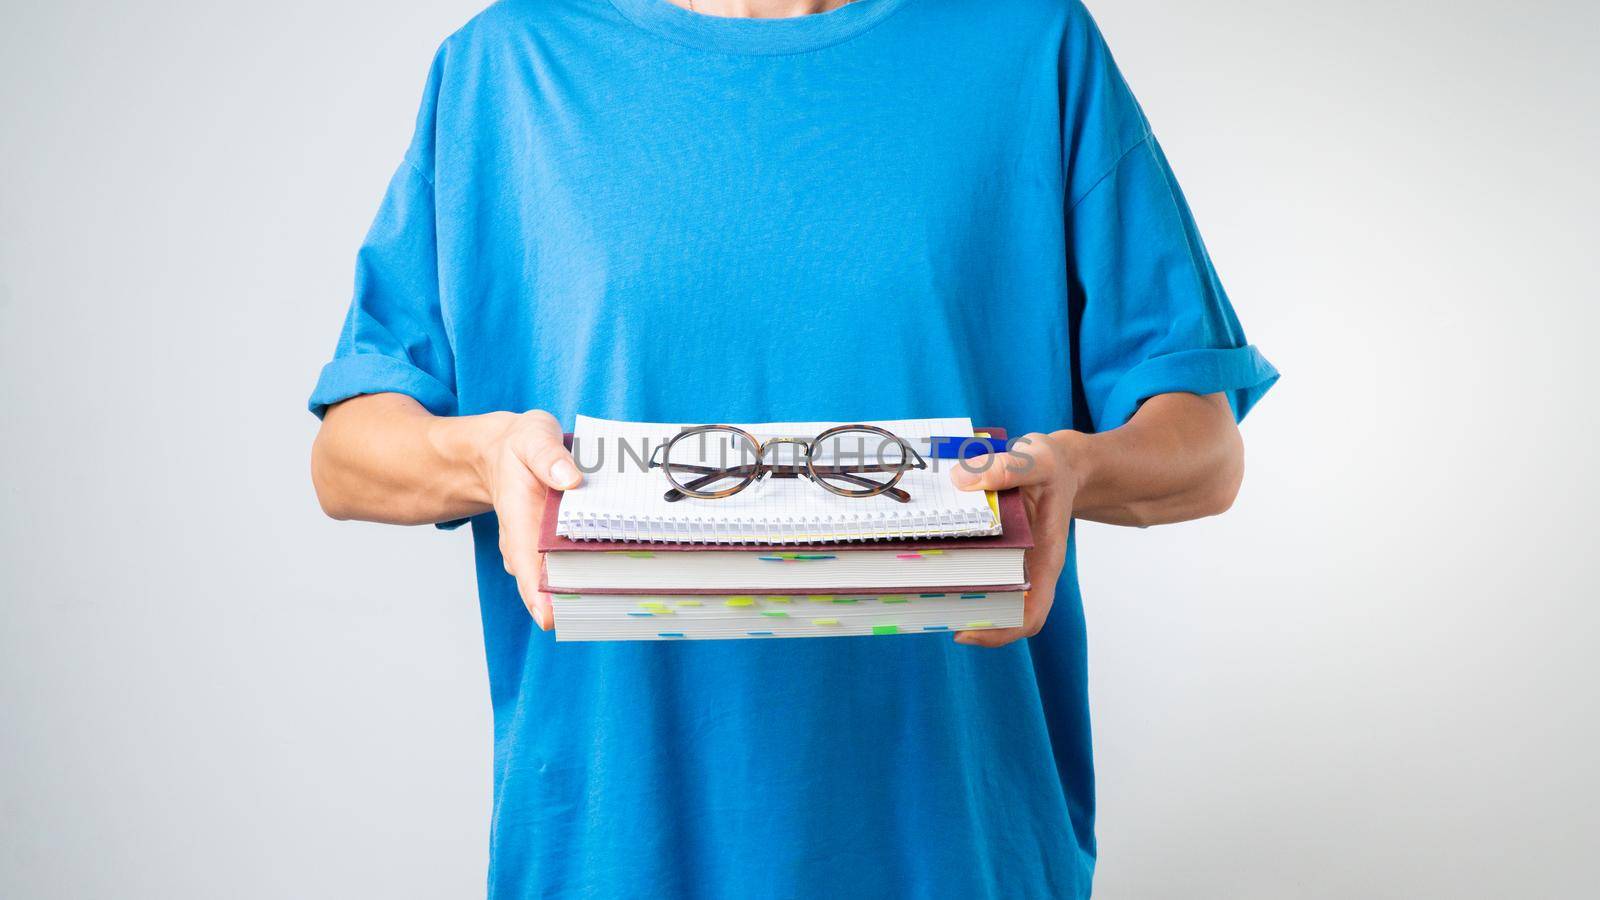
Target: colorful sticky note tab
566	596
936	628
895	599
690	603
930	595
759	633
820	598
973	596
844	599
741	601
641	614
824	621
886	629
779	598
670	634
652	604
983	624
775	613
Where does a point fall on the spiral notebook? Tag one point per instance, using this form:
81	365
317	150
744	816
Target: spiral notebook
622	499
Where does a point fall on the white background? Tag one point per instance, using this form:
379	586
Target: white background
1374	678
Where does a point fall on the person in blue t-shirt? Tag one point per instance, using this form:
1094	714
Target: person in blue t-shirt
785	210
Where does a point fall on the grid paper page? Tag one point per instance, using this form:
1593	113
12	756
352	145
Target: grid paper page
623	500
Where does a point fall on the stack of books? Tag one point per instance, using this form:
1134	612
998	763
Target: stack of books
911	581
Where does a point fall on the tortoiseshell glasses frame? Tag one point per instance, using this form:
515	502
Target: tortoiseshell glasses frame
693	479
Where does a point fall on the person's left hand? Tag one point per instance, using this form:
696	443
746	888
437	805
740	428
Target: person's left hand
1042	466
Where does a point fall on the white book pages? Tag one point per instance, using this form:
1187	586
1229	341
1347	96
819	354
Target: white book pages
822	569
667	617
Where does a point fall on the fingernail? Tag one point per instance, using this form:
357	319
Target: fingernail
564	474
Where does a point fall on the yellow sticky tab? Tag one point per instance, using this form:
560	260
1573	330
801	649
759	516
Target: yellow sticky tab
820	598
984	624
741	601
779	599
653	604
689	603
991	496
824	621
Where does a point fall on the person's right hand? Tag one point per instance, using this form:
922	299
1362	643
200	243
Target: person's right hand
517	466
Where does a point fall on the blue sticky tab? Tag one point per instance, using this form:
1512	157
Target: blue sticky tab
936	628
963	447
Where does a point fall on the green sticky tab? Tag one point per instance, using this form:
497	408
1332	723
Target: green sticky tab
886	629
775	613
567	596
896	599
844	599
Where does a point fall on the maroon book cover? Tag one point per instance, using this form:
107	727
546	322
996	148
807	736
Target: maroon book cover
1014	534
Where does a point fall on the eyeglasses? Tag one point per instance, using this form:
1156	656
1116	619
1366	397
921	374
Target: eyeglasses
709	462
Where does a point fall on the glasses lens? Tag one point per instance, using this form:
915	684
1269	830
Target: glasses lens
710	462
858	463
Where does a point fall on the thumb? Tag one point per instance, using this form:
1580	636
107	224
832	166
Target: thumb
1027	462
542	451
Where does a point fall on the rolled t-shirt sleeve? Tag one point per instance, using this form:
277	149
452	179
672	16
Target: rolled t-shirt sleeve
1153	317
394	337
1149	314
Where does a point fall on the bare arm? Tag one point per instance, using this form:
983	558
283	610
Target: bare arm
383	458
1180	457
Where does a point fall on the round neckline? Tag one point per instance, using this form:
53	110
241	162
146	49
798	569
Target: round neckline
769	37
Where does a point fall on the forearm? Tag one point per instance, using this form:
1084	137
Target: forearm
1179	458
384	458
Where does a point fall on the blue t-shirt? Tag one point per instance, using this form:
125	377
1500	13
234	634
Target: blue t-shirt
900	208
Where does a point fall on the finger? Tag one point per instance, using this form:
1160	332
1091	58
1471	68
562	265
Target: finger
1036	603
539	445
1029	461
537	603
519	546
1043	567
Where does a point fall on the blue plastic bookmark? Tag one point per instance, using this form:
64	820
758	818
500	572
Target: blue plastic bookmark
963	447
